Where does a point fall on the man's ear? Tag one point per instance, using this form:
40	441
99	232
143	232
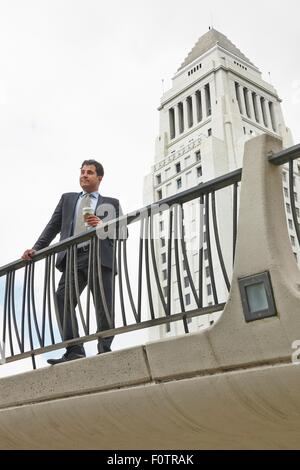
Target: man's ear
100	179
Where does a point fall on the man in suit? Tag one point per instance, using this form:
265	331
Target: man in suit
67	220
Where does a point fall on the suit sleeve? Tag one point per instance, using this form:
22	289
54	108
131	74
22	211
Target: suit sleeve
51	230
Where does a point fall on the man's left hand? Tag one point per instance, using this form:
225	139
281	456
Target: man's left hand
93	220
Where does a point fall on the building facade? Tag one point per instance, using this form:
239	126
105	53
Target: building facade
217	102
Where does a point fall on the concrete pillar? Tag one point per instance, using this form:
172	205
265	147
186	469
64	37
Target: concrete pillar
263	244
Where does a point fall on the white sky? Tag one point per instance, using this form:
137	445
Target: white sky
83	78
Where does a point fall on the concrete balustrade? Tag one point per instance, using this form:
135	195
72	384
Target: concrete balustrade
232	386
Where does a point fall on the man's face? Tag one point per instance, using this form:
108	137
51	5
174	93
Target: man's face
89	180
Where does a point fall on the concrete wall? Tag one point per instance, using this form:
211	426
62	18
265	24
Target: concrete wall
232	386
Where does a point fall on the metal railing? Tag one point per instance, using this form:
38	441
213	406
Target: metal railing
141	297
287	156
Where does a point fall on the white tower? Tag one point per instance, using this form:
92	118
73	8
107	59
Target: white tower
218	101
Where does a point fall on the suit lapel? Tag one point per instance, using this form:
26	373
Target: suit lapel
71	211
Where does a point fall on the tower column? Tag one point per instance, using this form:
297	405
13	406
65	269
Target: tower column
176	115
268	114
251	107
259	110
194	106
204	103
241	100
199	105
185	115
274	116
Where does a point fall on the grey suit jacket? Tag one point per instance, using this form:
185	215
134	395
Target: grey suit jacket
62	222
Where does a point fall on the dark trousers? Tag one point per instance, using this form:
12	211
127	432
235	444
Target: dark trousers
101	318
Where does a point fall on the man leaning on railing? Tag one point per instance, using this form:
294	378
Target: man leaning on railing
74	213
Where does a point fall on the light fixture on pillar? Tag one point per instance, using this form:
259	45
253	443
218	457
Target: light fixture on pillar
257	296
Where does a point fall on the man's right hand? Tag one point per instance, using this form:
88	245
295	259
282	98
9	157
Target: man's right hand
28	254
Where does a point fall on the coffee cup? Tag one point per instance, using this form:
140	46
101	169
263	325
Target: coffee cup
86	212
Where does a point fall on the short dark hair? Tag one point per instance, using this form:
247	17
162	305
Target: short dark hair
98	166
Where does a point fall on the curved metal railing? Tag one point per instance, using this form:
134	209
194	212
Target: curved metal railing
152	279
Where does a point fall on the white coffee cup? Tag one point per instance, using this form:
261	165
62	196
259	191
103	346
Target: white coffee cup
86	212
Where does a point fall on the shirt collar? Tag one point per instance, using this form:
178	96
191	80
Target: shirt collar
95	194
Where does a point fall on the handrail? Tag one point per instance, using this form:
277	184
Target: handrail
40	329
180	198
285	155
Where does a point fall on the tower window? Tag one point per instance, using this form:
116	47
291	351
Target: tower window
198	156
178	167
178	183
188	299
199	171
158	179
159	194
209	132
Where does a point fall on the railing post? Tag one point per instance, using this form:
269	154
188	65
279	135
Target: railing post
262	245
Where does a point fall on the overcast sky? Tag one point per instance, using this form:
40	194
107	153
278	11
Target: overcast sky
83	78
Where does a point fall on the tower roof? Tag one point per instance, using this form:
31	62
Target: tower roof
207	42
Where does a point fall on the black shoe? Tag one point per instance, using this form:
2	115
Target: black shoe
66	357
